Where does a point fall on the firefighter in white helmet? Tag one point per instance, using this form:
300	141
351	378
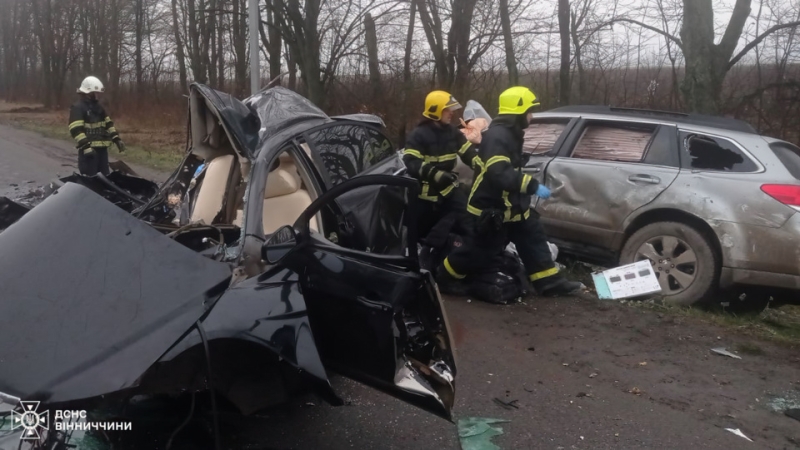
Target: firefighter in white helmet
92	129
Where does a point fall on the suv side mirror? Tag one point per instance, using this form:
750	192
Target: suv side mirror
279	245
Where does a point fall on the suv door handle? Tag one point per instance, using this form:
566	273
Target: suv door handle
644	179
533	168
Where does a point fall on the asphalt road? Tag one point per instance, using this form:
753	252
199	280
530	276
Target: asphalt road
27	159
585	374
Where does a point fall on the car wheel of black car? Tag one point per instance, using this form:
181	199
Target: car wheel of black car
683	259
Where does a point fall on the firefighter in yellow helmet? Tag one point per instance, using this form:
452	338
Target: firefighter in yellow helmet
499	206
431	154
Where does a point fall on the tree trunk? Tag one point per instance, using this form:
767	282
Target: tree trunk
511	60
113	45
371	38
196	56
576	23
179	54
275	45
432	25
459	40
240	47
220	55
209	24
706	62
292	69
563	29
407	73
139	41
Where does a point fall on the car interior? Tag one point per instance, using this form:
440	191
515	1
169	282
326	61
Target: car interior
219	195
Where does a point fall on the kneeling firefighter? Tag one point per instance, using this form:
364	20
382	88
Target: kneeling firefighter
431	154
499	207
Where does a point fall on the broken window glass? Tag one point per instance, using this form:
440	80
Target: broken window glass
612	143
540	137
712	153
347	150
340	148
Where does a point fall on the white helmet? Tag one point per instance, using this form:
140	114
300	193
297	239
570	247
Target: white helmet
91	84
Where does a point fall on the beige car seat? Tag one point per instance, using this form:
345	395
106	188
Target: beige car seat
284	198
211	196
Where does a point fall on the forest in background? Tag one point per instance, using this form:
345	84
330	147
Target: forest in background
738	58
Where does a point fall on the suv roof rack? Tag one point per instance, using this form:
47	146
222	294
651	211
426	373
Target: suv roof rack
678	117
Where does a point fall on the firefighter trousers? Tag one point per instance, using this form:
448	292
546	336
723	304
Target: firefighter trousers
94	161
482	251
437	219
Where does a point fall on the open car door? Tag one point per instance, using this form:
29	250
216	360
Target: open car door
375	316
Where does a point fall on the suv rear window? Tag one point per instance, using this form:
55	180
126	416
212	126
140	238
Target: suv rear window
540	137
789	156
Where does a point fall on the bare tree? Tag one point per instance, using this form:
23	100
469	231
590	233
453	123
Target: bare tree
564	32
371	37
508	40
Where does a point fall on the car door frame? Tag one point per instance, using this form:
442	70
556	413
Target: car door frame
536	166
437	397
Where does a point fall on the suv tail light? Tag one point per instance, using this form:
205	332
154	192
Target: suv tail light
788	194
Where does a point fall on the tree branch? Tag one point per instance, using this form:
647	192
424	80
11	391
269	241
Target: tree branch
758	40
649	27
741	12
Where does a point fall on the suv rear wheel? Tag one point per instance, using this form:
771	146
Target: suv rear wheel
682	258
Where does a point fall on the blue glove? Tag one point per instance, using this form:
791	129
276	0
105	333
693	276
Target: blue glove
543	192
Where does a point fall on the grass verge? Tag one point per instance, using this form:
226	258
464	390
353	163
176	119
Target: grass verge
161	150
777	323
775	320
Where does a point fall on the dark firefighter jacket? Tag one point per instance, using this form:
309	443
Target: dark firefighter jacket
90	126
501	185
434	147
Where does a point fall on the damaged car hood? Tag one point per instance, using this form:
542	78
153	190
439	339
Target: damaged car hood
92	297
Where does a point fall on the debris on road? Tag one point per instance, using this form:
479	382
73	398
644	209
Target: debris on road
476	433
10	212
643	363
635	391
722	351
507	405
739	433
632	280
785	402
593	374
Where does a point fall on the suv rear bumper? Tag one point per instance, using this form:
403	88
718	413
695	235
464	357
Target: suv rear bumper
756	255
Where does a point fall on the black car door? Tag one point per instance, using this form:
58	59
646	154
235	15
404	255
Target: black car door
375	316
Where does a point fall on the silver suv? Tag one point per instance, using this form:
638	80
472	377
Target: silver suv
707	200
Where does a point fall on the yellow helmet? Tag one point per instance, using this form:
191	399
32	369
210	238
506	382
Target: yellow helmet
517	100
438	101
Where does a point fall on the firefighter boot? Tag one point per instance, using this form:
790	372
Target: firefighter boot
556	286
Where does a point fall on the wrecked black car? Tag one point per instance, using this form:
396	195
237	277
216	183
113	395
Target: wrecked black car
122	187
281	249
